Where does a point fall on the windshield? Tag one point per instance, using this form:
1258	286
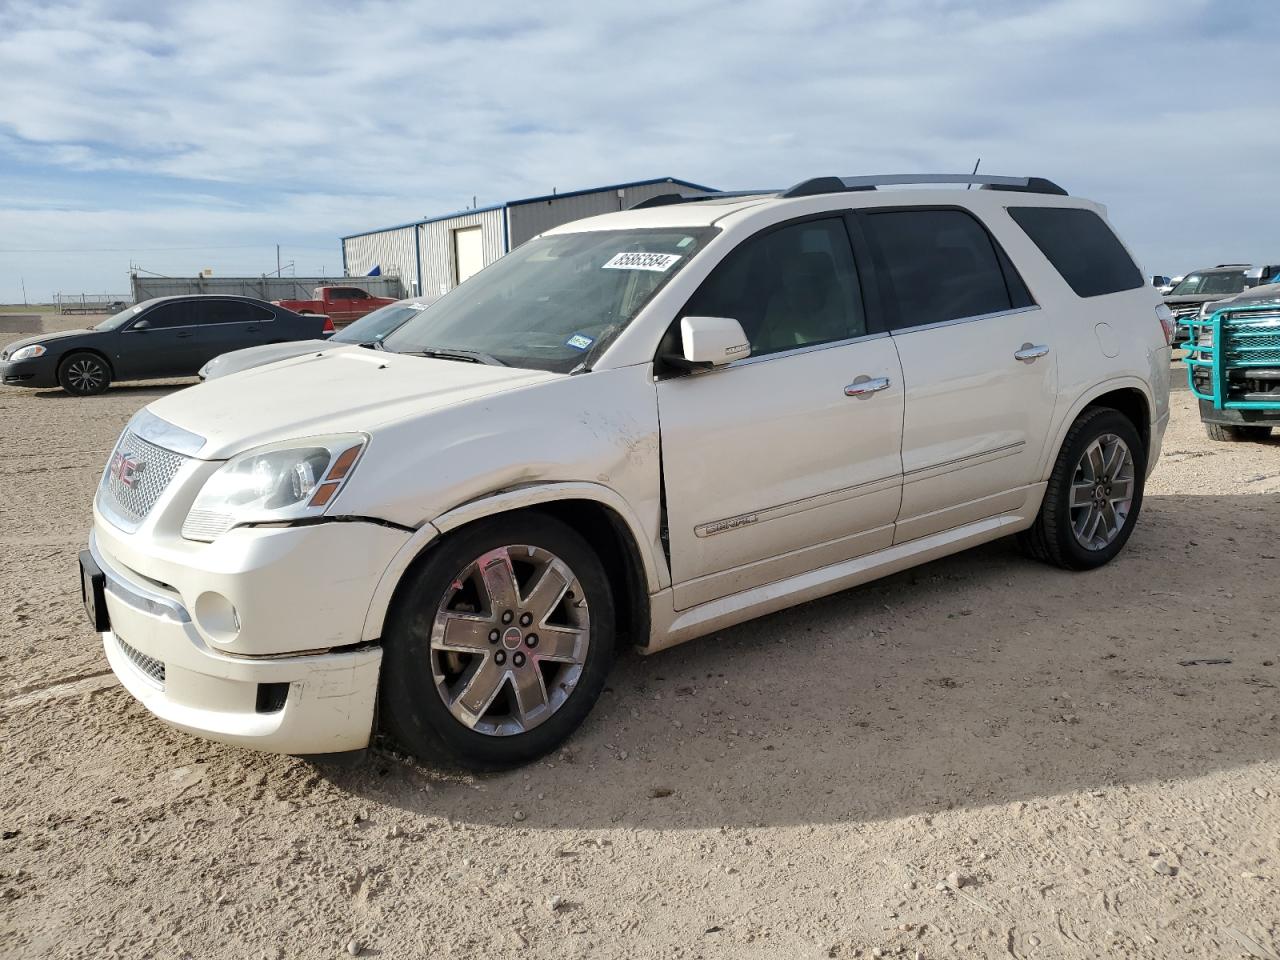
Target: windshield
1215	283
554	302
374	326
117	320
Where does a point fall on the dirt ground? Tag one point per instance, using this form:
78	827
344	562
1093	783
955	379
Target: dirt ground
983	757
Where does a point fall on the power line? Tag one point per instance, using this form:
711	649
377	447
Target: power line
242	246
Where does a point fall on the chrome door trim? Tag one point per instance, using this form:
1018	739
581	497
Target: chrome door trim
973	459
796	351
713	527
905	331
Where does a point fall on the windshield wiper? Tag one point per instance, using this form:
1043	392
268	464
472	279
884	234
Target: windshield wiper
467	356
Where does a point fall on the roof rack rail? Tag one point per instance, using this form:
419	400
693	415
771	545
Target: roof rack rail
666	199
1221	265
816	185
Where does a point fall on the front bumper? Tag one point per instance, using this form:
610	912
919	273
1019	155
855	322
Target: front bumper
37	372
286	671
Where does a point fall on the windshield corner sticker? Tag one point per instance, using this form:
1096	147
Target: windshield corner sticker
634	260
579	341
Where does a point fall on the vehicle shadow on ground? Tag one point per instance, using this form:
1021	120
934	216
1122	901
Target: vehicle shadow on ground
983	678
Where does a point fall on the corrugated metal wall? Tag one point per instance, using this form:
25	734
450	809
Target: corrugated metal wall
392	250
437	246
530	219
264	288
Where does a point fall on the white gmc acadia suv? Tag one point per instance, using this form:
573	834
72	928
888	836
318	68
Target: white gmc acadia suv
647	425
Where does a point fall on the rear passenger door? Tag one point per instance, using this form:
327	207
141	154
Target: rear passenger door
978	363
233	325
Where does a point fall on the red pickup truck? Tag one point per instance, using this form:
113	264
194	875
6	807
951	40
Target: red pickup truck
342	305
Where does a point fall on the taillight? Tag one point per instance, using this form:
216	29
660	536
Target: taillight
328	325
1165	316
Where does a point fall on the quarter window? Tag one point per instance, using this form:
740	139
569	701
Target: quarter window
943	265
1082	248
790	287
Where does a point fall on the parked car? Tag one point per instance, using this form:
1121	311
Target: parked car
342	305
641	427
1233	364
1201	286
163	337
368	331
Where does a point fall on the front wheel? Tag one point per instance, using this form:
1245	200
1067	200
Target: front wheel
84	374
1094	494
1228	432
498	644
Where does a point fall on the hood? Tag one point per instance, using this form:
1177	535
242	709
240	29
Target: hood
46	338
345	389
1190	298
237	360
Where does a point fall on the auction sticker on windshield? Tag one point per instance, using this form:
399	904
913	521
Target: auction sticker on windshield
661	262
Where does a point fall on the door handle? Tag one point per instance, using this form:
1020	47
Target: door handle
1030	352
251	329
865	386
183	333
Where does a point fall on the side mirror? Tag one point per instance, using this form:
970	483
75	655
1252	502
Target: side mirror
141	325
712	341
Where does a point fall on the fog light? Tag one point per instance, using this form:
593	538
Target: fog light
217	617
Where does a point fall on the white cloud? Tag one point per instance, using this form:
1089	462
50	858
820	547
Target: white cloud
308	120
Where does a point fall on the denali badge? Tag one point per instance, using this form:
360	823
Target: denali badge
126	468
720	526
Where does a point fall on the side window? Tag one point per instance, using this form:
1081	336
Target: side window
943	265
357	294
234	311
788	287
1081	247
176	314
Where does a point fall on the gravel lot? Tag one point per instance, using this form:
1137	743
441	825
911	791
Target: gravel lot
984	757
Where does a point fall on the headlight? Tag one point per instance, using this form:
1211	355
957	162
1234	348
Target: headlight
281	481
203	372
29	352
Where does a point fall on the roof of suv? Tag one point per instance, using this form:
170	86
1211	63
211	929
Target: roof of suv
672	210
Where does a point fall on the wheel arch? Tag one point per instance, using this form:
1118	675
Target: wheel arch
1129	396
596	513
62	358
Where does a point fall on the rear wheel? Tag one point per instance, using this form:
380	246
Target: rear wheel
498	645
1094	494
1230	432
84	374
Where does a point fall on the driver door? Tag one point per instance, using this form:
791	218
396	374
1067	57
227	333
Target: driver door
789	459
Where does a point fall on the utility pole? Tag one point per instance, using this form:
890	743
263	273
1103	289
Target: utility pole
24	290
277	259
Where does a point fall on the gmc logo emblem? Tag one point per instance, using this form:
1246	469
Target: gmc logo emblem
126	468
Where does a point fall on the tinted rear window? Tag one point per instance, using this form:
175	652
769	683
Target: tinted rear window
1081	247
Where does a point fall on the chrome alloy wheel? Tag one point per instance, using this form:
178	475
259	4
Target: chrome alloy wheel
509	640
86	375
1102	492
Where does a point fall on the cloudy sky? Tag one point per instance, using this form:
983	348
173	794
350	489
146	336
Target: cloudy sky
180	136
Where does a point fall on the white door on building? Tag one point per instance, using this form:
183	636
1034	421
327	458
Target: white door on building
468	252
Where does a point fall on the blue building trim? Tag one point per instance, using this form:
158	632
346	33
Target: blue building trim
417	255
516	203
609	189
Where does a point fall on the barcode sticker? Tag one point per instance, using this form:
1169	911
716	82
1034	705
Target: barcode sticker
659	262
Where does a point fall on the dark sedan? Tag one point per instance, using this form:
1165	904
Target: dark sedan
164	337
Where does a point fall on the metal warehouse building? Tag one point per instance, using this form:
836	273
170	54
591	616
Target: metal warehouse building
435	255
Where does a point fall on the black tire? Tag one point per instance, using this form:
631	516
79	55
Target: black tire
1230	432
415	714
1051	538
84	374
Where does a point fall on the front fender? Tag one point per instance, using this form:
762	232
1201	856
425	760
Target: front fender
657	576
